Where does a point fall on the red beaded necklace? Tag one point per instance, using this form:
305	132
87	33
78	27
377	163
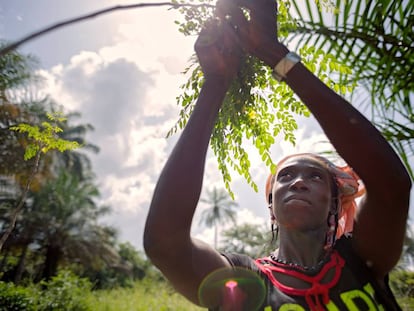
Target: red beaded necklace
317	290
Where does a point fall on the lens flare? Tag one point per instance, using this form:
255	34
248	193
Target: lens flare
235	289
231	284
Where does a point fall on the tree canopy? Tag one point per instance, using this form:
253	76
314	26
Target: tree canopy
58	225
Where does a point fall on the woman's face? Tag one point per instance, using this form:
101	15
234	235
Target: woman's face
302	194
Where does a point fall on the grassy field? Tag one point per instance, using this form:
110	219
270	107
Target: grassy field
69	293
147	295
144	296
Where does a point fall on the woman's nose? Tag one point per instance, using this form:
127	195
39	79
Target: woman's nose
299	184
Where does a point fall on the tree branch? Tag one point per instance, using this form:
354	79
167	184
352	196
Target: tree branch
14	45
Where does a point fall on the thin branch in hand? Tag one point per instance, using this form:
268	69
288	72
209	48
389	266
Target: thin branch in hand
14	45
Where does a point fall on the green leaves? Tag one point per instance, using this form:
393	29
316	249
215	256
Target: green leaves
329	70
44	138
194	17
256	108
376	39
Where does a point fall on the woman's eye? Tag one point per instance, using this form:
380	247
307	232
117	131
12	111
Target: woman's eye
284	175
316	176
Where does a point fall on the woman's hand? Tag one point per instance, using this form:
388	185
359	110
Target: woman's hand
258	33
218	50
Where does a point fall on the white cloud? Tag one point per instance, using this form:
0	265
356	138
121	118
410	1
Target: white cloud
128	194
127	92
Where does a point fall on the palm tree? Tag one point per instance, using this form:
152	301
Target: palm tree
59	223
18	174
60	220
375	39
221	210
63	224
64	232
16	70
249	239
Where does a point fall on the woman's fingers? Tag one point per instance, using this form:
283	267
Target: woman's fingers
256	5
220	35
254	21
218	49
234	16
263	13
208	34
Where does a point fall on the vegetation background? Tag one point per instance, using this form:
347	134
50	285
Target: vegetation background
58	256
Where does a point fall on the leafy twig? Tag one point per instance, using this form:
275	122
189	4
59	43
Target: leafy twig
44	139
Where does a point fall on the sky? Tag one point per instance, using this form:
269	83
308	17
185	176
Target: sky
122	71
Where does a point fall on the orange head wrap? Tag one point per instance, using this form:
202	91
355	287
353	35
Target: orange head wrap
348	185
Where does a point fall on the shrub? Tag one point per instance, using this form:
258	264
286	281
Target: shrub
16	298
402	284
65	292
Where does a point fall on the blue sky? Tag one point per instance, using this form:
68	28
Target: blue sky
122	72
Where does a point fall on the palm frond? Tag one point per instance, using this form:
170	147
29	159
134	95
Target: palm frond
375	38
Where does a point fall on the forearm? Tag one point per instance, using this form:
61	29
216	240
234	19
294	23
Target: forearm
178	189
353	136
363	147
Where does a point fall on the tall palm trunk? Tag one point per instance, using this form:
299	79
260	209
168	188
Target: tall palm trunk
3	262
21	265
53	254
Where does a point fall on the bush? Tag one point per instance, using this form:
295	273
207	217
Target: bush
65	292
16	298
402	284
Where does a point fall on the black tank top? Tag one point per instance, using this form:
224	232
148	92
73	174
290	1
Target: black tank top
350	286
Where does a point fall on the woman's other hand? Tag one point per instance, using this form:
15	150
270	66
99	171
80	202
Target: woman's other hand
257	33
218	50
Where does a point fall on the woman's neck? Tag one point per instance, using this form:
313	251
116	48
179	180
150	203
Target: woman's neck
300	248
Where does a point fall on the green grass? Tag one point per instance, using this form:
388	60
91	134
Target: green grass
152	295
146	295
67	292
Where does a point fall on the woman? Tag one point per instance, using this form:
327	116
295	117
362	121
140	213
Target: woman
311	270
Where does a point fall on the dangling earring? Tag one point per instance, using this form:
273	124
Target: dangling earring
330	235
273	223
272	216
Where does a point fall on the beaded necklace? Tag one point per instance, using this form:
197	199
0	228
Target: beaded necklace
317	295
297	266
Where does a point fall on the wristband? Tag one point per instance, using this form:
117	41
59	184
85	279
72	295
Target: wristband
285	65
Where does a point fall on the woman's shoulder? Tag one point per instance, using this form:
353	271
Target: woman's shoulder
239	260
344	247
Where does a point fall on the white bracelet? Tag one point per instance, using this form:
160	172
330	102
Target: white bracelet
285	65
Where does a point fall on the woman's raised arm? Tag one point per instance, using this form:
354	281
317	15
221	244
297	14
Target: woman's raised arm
382	215
167	241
